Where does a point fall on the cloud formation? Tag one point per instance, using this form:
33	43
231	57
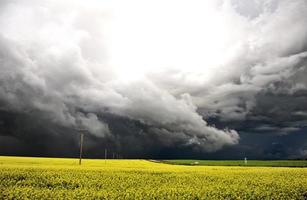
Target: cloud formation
142	73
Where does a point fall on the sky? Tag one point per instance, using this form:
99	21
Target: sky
216	79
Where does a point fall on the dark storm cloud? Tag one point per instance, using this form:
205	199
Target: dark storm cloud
57	75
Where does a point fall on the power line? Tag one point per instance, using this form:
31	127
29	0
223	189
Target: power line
105	155
81	146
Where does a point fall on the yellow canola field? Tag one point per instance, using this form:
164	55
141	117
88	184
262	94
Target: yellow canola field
57	178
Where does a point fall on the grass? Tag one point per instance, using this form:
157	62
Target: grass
251	163
59	178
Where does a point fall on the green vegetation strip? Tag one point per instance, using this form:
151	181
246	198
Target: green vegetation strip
257	163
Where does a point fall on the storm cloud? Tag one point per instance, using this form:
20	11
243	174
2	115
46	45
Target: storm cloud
153	78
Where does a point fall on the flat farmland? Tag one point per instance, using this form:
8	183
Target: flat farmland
61	178
251	163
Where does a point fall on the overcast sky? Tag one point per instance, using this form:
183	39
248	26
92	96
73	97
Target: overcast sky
218	79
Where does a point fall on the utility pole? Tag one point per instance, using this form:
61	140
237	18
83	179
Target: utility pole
105	155
81	145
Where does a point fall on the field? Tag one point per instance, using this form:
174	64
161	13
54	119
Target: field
57	178
257	163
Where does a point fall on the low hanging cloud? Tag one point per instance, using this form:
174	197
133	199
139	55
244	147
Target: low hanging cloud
167	66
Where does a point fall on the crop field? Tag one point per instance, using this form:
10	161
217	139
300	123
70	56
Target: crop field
58	178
